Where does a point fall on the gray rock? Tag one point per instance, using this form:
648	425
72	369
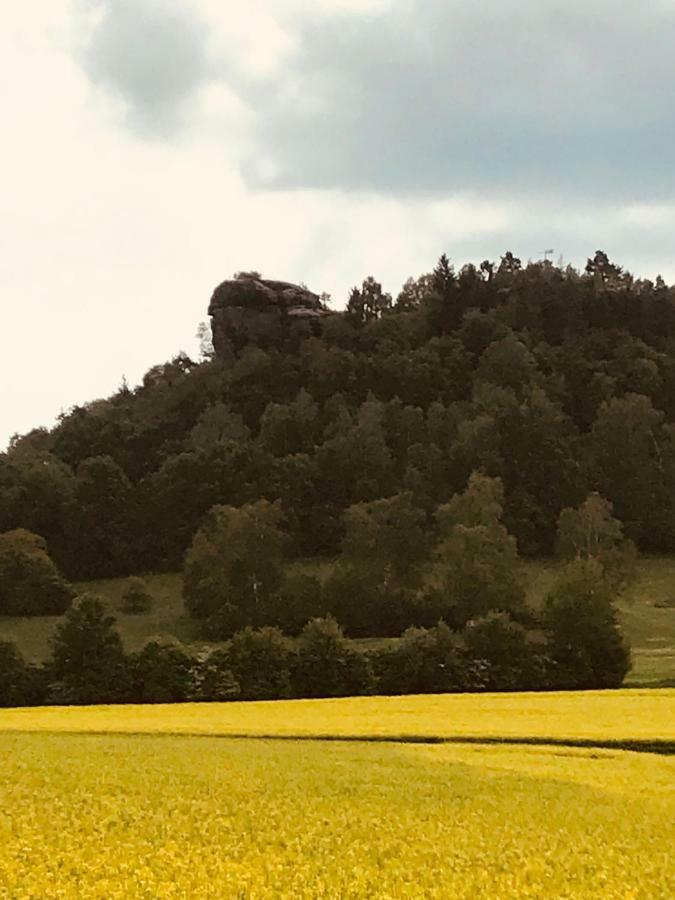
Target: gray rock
254	309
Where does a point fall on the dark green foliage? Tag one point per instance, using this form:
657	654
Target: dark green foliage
359	599
261	662
514	659
88	664
530	373
234	566
299	599
98	521
30	584
161	673
327	665
386	539
372	591
136	598
212	679
427	661
479	557
20	684
584	640
592	532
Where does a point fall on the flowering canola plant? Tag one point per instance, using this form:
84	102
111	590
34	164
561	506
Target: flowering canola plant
631	714
152	817
167	815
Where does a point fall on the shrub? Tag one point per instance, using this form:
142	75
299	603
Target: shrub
30	584
513	659
136	598
212	679
427	661
327	665
20	684
261	662
161	673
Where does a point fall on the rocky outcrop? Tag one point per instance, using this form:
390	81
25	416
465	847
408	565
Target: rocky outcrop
258	310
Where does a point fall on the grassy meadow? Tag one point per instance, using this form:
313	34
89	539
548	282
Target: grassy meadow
647	613
153	813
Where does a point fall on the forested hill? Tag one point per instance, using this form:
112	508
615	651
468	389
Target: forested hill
558	382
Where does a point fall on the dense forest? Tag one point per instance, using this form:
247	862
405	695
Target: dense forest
556	382
503	397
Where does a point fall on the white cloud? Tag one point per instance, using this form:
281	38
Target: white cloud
114	238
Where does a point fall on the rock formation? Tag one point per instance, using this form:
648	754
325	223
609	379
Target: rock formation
258	310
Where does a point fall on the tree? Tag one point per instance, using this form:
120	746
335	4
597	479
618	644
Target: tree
206	351
88	664
508	363
386	539
327	666
592	532
30	584
632	455
234	565
212	680
369	302
299	599
479	557
218	425
98	521
292	428
584	639
261	662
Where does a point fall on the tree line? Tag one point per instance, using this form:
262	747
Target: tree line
470	629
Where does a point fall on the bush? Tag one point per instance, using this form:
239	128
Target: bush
213	680
261	662
136	598
20	684
161	673
427	661
512	658
327	666
30	584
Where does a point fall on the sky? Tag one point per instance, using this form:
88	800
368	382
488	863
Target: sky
152	148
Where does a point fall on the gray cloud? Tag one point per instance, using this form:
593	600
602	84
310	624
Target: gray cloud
150	53
443	95
559	98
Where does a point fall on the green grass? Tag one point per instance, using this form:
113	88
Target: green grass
646	616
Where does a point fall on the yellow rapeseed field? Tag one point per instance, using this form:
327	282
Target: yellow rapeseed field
92	816
640	714
125	814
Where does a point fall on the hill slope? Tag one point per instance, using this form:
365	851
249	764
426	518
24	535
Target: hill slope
647	614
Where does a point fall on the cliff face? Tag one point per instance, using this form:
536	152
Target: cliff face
258	310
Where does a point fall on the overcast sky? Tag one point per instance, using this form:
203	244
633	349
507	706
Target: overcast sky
151	148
